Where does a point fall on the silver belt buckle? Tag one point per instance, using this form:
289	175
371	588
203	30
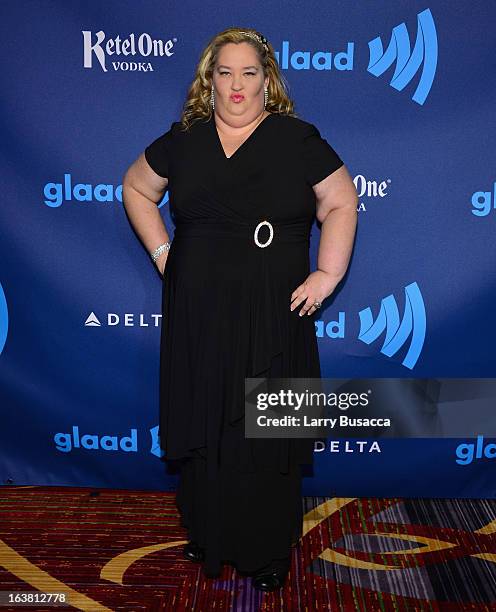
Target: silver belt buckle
255	234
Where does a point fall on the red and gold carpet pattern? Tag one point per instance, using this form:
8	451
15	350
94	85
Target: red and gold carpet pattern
121	550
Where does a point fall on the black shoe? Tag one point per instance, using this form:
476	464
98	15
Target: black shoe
272	576
193	552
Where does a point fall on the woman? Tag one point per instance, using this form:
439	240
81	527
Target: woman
246	179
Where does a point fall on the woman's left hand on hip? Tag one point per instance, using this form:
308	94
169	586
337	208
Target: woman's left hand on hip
317	286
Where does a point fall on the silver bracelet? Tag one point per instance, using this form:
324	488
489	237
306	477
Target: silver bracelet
159	250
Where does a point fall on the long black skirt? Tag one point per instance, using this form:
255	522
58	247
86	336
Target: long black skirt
247	517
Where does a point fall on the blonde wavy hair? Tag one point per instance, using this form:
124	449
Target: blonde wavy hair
197	105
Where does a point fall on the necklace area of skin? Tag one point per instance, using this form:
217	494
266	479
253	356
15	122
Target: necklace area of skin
239	142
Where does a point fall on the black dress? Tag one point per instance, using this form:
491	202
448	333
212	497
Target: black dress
226	316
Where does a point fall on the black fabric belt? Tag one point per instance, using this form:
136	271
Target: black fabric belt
254	230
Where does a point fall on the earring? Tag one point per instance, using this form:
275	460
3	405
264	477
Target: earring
212	101
266	96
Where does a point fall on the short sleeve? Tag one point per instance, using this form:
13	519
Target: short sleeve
319	158
157	153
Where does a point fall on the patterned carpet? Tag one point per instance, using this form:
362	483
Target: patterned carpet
121	550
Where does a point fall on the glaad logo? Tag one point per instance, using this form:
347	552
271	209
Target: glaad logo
145	46
414	320
408	62
321	60
397	333
465	452
155	448
65	442
56	194
481	202
332	329
4	319
114	319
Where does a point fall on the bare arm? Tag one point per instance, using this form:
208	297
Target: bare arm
337	200
142	190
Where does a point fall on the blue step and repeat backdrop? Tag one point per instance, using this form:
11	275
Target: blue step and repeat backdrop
404	91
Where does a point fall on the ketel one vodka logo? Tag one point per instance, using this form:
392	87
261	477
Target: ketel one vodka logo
397	332
422	58
122	52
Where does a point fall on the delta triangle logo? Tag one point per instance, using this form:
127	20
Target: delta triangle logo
92	321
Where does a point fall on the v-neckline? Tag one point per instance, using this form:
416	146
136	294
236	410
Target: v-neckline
245	141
